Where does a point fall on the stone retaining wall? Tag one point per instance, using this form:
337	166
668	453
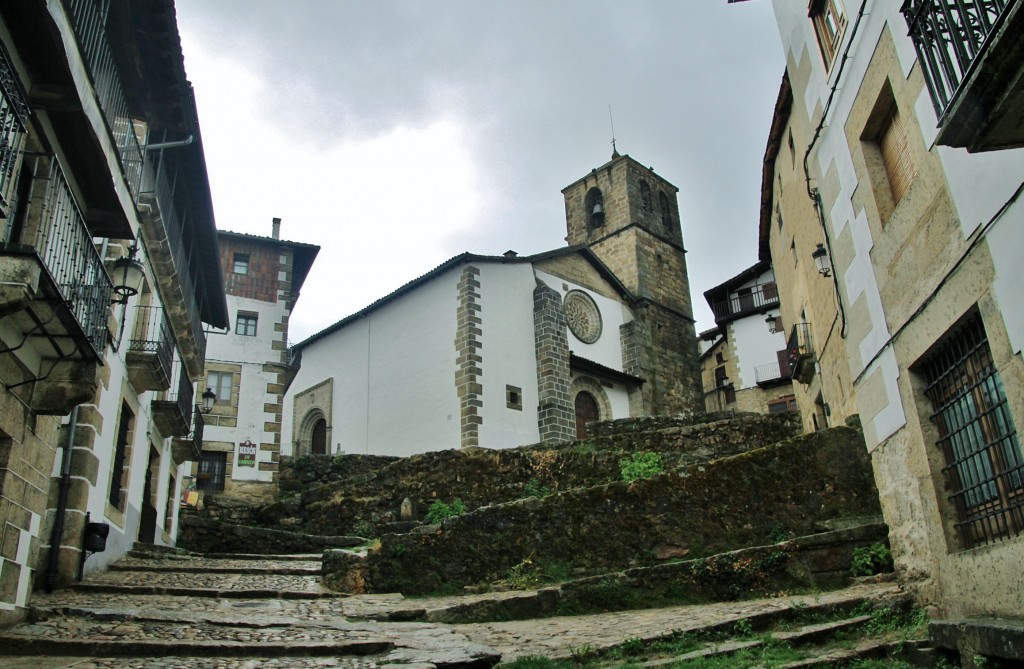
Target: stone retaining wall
794	486
352	493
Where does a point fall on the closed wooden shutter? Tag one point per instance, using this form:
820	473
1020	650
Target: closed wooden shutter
899	165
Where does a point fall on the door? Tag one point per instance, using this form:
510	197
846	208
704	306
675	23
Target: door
319	440
147	523
586	412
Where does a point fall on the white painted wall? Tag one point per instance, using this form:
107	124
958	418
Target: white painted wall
394	375
250	353
509	353
607	350
755	346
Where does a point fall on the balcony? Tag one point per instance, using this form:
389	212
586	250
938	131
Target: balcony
55	293
172	411
800	353
90	19
774	373
972	58
190	447
748	300
150	350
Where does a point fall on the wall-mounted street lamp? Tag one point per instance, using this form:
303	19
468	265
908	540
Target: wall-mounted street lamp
128	274
208	399
820	256
772	321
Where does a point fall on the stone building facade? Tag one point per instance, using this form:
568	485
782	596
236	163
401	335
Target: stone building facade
108	275
248	368
744	358
915	315
638	234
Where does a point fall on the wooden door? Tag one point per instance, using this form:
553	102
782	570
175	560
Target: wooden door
586	412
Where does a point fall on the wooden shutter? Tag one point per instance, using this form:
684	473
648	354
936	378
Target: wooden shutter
899	165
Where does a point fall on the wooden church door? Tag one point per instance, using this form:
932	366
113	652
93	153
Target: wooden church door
586	412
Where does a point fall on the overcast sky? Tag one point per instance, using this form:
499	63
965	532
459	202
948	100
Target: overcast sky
396	134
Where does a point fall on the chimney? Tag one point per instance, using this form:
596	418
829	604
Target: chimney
276	229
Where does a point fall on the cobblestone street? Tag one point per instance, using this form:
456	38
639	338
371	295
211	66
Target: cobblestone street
232	613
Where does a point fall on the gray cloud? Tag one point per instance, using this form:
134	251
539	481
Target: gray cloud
691	85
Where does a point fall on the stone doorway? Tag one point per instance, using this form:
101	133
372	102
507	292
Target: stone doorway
586	412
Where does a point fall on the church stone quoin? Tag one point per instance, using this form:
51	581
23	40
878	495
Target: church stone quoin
629	217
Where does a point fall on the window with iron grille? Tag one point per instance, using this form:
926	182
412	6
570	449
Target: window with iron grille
212	468
977	436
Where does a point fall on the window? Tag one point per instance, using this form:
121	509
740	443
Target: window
977	437
666	212
220	383
645	196
240	263
212	467
594	207
514	397
245	323
782	404
119	469
895	150
719	358
829	21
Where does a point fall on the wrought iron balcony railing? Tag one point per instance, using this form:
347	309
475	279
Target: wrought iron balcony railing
166	188
760	295
90	17
800	353
949	36
172	410
150	349
14	113
65	247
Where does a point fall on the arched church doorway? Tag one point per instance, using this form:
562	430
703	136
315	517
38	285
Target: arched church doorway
586	412
318	439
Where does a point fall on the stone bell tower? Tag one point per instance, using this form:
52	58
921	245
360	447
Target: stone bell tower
629	217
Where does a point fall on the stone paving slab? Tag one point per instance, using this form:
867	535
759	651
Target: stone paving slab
198	564
408	644
205	581
562	637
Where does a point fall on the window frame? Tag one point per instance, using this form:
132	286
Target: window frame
246	321
829	21
212	481
219	385
240	260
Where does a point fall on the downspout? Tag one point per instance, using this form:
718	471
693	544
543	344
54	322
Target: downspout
62	502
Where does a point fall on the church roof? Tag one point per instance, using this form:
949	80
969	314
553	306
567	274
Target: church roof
462	259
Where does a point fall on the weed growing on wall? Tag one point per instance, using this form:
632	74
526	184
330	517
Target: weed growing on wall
870	560
642	465
438	511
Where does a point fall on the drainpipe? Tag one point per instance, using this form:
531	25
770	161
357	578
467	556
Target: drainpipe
169	145
62	502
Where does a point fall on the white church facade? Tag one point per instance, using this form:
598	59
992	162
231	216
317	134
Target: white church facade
500	351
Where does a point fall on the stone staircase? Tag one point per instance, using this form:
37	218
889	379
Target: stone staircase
231	611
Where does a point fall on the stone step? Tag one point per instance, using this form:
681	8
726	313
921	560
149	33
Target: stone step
243	637
205	584
193	564
563	637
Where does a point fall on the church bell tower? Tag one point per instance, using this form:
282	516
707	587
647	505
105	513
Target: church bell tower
629	217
